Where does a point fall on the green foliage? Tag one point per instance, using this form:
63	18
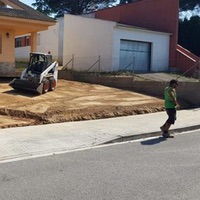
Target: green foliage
125	1
76	7
189	32
188	4
184	4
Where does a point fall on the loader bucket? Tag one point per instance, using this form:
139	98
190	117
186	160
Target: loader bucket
25	85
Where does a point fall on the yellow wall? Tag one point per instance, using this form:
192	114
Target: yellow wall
8	46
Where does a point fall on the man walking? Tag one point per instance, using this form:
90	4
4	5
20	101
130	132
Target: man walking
170	107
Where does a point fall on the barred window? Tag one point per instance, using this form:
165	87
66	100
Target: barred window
18	42
27	41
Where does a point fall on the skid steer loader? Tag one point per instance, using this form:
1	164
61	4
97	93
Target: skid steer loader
40	76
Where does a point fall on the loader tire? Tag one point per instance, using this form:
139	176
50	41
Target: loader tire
45	86
52	85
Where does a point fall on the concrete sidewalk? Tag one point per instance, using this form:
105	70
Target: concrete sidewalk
35	141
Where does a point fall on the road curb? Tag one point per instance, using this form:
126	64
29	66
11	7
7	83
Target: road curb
151	134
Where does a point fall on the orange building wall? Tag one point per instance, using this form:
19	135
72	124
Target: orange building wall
157	15
8	53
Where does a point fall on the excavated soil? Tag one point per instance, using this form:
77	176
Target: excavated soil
71	101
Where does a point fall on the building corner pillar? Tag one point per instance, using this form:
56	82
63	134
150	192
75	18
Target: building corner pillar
34	42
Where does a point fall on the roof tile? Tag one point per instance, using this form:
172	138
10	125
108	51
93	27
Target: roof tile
26	13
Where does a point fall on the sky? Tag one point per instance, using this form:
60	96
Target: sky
28	2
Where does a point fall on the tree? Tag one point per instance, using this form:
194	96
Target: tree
189	31
125	1
188	4
75	7
184	4
78	7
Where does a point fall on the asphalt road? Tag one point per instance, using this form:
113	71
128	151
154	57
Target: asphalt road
152	169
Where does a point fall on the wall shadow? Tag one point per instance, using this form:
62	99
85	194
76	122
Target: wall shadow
153	141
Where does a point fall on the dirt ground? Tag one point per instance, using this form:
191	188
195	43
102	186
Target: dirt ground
71	101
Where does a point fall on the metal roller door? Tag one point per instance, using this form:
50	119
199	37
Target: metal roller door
134	56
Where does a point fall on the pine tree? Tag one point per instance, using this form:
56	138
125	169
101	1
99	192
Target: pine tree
188	4
189	31
75	7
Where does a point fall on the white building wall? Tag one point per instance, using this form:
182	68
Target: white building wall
159	45
22	53
60	40
86	39
46	41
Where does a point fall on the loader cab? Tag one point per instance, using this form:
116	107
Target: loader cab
39	62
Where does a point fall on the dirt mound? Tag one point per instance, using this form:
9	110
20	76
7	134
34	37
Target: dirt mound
71	101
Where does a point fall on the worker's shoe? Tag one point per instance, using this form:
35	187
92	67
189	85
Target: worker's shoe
167	135
162	129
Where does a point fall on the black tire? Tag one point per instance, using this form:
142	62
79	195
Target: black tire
45	86
52	85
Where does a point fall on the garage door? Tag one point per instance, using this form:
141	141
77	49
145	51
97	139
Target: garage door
134	56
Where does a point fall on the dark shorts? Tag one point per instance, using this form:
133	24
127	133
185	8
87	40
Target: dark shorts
171	112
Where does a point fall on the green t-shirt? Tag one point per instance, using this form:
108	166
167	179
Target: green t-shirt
168	101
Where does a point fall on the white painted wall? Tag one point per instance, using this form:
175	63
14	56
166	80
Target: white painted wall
48	41
87	38
60	40
22	53
159	43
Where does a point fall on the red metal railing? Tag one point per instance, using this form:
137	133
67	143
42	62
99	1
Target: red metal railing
186	61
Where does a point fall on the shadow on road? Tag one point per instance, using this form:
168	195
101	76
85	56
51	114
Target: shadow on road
153	141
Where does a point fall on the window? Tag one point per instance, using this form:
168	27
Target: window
27	41
22	41
18	42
